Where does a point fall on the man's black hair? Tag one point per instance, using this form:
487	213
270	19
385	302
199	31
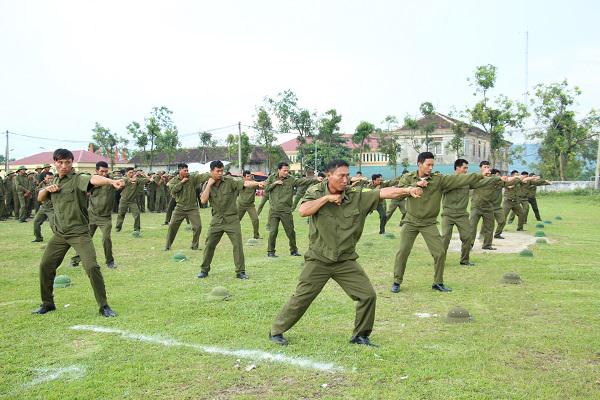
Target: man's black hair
524	173
101	164
321	174
282	164
129	169
181	166
495	171
247	172
484	162
426	155
334	164
62	154
375	176
216	164
46	173
514	171
460	162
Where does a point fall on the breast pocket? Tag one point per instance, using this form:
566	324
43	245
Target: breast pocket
350	218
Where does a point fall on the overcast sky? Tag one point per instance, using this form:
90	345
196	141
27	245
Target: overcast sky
66	64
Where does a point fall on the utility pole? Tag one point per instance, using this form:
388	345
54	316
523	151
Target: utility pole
6	155
240	148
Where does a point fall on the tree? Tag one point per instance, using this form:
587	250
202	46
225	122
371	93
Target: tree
168	143
494	116
361	137
107	142
265	135
457	143
389	145
330	143
206	143
563	138
232	149
428	127
155	124
411	125
291	117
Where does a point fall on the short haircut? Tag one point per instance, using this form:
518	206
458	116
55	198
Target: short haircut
62	154
514	171
322	175
375	176
358	173
282	164
101	164
45	174
460	162
181	166
426	155
129	169
216	164
524	173
247	172
495	171
484	162
335	164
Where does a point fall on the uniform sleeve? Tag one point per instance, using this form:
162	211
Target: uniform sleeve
311	194
238	185
200	178
450	182
83	182
487	181
405	181
369	200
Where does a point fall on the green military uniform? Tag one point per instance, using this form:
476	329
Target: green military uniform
454	213
151	190
381	206
9	189
396	204
70	230
23	191
300	191
225	219
184	195
498	211
531	198
163	196
2	202
512	202
280	198
100	212
45	212
245	204
333	234
483	203
128	202
16	201
421	217
523	199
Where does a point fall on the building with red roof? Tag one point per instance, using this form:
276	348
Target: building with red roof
84	161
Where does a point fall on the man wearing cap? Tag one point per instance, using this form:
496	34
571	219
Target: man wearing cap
68	193
183	192
280	188
134	183
23	192
337	213
222	191
45	212
245	204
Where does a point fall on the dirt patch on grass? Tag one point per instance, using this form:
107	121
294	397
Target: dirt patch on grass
513	242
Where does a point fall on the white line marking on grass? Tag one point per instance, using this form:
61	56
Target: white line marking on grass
52	374
425	315
242	353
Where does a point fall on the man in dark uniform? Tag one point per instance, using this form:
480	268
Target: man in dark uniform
222	191
23	191
134	183
337	212
68	196
245	204
45	212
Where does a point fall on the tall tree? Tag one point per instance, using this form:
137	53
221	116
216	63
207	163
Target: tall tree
457	143
207	143
329	142
232	149
168	143
263	126
155	124
410	124
107	141
563	138
493	115
361	139
389	144
428	127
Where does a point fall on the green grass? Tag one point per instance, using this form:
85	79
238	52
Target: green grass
540	339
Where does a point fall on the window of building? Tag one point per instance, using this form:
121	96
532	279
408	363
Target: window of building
437	148
479	149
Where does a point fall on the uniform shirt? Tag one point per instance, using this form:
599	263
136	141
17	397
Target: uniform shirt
383	184
455	201
132	189
8	186
185	193
281	196
488	197
46	205
223	195
334	230
152	184
513	192
22	184
246	197
102	200
424	211
70	204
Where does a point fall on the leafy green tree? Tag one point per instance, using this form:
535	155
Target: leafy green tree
155	124
232	149
457	143
263	126
329	142
389	144
361	138
428	127
168	143
107	142
410	124
207	143
493	116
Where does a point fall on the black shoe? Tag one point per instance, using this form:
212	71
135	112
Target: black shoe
499	236
167	248
440	287
468	264
488	248
45	308
363	340
241	275
279	339
165	223
395	287
520	230
295	253
381	232
73	263
194	248
37	240
118	229
271	254
202	275
111	265
22	220
258	238
105	311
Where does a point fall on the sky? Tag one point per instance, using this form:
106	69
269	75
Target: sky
65	65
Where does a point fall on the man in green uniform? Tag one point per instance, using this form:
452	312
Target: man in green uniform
9	191
23	191
245	204
134	183
45	212
522	198
71	229
482	207
337	212
2	201
421	217
496	202
151	191
531	196
300	190
280	188
183	190
378	183
222	191
512	202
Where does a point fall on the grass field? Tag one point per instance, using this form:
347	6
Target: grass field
540	339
